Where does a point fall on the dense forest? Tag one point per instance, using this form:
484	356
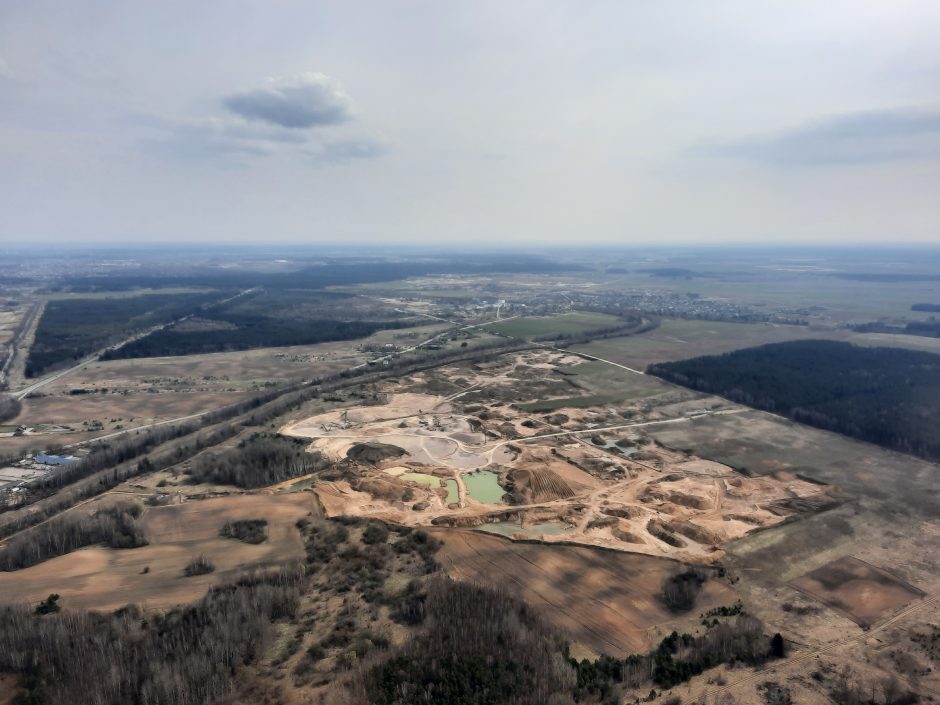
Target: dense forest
929	328
70	329
268	318
247	332
186	656
478	646
333	272
261	460
887	396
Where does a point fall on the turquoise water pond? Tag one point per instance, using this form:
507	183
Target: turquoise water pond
483	486
453	495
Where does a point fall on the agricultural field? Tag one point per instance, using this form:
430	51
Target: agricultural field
101	578
857	589
679	339
606	601
563	324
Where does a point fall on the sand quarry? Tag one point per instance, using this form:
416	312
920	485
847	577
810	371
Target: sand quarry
492	472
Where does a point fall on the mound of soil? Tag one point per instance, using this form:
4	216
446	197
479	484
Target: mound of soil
374	452
695	532
626	536
623	511
663	532
381	489
675	497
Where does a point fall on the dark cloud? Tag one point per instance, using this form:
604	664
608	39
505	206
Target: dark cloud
851	138
299	102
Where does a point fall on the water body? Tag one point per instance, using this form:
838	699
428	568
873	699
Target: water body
302	485
483	486
421	478
453	494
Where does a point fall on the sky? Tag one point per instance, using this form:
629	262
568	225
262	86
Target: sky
514	122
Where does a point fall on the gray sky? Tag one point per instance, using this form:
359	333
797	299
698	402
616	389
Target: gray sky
497	123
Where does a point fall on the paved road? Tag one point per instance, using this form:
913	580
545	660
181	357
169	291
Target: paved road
122	432
29	322
599	359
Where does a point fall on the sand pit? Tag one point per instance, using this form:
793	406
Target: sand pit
104	579
857	590
496	457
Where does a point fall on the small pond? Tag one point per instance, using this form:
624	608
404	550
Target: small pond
483	486
453	494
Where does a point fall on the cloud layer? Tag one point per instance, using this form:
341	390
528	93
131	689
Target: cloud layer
851	138
298	102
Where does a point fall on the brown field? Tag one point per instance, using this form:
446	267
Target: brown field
604	600
233	371
859	590
143	408
104	579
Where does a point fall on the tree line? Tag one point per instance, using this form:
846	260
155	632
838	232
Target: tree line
262	459
10	407
114	526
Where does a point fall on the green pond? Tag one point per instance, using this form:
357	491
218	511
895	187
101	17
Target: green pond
302	485
510	528
483	486
421	478
453	494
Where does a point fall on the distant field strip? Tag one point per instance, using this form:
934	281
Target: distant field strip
581	402
563	324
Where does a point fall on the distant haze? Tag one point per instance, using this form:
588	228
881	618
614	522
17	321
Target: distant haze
487	123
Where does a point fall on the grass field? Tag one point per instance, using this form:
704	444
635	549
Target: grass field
678	339
563	324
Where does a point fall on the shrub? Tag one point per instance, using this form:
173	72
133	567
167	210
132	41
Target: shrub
49	606
375	533
680	590
200	565
247	530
